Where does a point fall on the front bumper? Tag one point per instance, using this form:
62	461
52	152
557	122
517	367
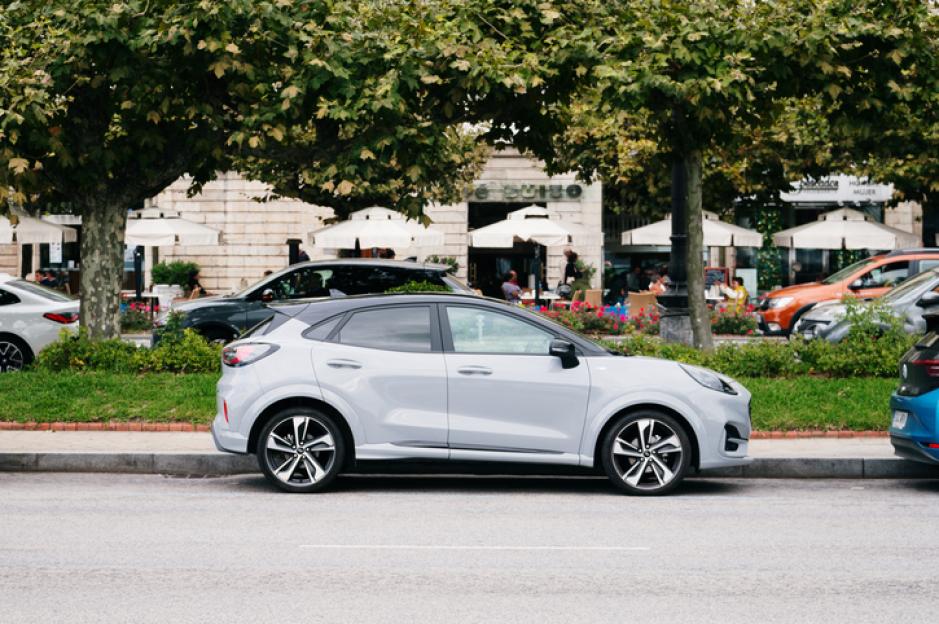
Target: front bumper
770	326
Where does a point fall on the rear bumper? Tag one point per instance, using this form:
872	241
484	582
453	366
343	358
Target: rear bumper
908	448
227	440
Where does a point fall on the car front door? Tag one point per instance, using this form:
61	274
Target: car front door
508	398
879	280
302	283
386	366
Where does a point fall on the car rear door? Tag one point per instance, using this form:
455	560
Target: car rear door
385	364
509	399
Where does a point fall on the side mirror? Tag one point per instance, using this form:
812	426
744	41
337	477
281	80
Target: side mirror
267	295
857	284
929	300
566	351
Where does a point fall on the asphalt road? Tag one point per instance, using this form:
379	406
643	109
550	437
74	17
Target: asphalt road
121	548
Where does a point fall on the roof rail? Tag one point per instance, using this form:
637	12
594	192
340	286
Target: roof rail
913	250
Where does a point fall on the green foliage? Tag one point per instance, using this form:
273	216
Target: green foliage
447	260
415	286
183	353
768	260
176	272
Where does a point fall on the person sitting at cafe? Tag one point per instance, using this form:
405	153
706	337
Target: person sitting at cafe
510	288
738	294
48	280
660	284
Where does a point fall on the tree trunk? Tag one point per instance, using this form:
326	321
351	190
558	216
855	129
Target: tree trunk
102	267
697	304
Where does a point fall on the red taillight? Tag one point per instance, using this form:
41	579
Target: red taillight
931	366
65	318
244	354
932	445
225	409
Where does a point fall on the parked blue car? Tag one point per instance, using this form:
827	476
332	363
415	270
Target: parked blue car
914	429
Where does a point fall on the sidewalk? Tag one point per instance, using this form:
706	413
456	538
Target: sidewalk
193	453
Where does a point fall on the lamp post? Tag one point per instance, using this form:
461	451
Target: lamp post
675	321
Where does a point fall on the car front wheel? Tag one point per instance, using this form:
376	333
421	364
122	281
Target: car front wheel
301	450
646	453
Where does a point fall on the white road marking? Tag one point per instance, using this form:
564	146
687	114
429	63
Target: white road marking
468	547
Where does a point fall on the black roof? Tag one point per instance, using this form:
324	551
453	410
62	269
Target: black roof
314	311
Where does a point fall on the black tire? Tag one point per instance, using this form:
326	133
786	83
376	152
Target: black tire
310	470
659	471
15	354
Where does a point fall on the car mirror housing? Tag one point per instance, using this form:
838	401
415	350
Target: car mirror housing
929	300
857	284
267	295
565	351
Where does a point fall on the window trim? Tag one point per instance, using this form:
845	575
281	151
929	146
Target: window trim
436	345
341	319
447	335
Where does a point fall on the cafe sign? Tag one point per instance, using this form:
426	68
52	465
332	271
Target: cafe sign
838	189
525	191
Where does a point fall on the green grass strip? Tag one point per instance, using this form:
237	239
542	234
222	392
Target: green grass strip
802	403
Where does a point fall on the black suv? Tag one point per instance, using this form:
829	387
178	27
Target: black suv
223	318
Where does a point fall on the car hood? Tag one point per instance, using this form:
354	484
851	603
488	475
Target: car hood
798	290
826	311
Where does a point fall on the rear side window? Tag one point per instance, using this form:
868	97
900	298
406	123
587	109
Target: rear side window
321	331
40	291
925	265
390	329
8	298
378	279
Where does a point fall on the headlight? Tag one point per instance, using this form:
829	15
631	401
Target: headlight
779	302
708	379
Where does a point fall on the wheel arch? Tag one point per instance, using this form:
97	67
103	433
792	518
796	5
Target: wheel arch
21	342
657	407
301	401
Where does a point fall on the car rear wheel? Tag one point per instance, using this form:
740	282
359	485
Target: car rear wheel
301	450
646	453
15	354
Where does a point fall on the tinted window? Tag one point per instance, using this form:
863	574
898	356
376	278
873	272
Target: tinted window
8	298
361	280
928	264
322	330
476	330
889	274
392	329
301	284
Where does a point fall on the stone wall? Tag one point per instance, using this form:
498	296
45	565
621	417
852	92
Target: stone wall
253	234
906	216
9	260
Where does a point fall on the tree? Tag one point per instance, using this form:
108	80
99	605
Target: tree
704	79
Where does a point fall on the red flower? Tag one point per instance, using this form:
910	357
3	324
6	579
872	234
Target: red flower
599	313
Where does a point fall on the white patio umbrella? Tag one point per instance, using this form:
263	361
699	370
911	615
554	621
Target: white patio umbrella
717	233
155	228
845	229
376	227
30	231
533	224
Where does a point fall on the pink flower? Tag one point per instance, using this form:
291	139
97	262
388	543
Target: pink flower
599	313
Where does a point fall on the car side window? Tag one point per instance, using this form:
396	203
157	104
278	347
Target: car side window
886	275
925	265
8	298
304	283
476	330
322	330
390	329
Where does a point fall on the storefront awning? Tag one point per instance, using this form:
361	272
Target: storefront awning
30	231
845	229
531	224
153	228
717	233
376	227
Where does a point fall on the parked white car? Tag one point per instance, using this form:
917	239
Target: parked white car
322	385
31	316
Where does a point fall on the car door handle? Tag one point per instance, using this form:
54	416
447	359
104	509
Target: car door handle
475	370
344	364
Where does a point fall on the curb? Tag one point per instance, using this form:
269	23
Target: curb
186	426
219	464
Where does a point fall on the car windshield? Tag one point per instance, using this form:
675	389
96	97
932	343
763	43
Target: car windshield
40	291
847	272
909	287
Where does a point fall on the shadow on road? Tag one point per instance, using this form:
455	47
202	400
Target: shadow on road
509	485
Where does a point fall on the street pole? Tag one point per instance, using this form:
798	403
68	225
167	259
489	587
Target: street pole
675	323
536	269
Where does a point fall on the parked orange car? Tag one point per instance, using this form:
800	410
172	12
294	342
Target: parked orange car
867	279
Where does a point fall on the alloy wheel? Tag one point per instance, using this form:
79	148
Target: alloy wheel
300	451
11	357
647	454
